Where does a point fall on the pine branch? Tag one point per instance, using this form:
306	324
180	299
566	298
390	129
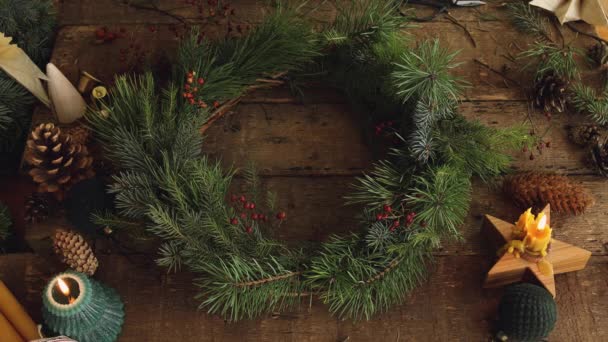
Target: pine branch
552	59
528	19
585	100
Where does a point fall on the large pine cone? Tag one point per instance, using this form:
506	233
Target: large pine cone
536	189
75	251
584	135
550	93
57	162
598	53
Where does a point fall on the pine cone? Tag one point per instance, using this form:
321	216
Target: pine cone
75	251
598	53
79	133
598	157
584	135
57	162
550	93
536	189
37	207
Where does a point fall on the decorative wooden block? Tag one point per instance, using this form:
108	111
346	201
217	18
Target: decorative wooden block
509	269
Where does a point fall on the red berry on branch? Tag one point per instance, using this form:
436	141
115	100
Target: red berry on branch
387	208
254	216
234	221
379	217
201	80
233	198
191	101
195	89
282	215
100	33
251	205
243	199
249	229
243	216
110	36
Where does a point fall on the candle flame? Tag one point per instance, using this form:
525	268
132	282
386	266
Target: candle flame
542	222
63	287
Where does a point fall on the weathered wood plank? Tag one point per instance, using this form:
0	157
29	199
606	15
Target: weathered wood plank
75	50
450	306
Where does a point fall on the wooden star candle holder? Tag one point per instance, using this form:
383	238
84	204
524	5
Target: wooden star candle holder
510	268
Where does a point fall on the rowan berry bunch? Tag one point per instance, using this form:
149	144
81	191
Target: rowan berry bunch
401	217
249	216
193	90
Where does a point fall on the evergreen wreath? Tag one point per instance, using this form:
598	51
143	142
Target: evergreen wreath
413	199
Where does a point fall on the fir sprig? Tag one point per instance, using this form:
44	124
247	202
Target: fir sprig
528	19
586	100
550	58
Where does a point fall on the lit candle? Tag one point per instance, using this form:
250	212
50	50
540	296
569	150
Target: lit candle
538	235
526	219
82	308
7	331
16	315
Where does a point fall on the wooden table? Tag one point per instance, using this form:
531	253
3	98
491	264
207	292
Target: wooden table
309	153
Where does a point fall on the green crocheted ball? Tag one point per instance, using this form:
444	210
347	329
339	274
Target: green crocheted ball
527	312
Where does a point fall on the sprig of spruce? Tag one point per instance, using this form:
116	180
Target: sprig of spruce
528	19
549	58
587	101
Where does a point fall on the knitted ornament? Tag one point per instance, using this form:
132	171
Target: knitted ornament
536	189
550	93
584	135
37	207
75	251
526	312
57	162
92	313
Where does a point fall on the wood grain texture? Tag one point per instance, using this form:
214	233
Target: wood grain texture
449	306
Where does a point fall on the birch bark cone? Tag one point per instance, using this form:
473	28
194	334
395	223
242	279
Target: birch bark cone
67	102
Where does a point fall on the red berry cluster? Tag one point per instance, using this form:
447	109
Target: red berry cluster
105	35
383	126
388	213
248	216
539	147
191	89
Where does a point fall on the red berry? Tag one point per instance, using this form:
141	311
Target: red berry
110	36
395	223
234	221
189	80
245	205
191	101
190	74
187	87
249	229
379	217
387	208
254	216
216	104
251	205
282	215
233	198
100	33
243	216
201	81
243	199
195	89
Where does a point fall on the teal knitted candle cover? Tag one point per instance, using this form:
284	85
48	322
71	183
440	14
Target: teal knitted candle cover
527	312
92	313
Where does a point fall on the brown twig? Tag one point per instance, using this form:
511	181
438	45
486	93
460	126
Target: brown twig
254	283
466	31
225	107
394	263
155	8
575	29
496	71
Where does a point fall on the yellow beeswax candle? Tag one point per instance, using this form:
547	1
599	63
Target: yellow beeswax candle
525	220
8	332
16	315
538	235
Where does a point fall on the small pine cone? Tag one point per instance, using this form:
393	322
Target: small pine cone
598	157
57	162
536	189
79	133
75	251
598	54
550	93
584	135
37	207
